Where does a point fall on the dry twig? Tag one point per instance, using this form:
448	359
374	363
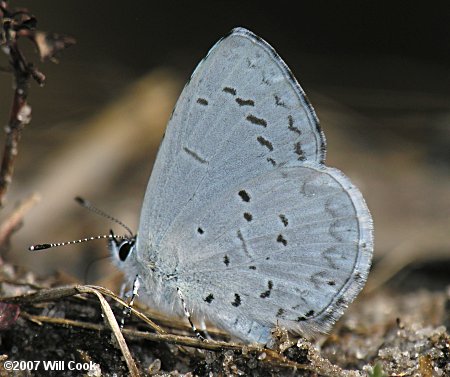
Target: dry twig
14	24
14	220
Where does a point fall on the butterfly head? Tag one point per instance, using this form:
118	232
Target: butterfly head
121	247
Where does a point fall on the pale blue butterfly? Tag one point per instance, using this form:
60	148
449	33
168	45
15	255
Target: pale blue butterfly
241	216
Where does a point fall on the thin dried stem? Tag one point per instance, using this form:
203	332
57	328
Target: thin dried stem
14	220
13	25
111	321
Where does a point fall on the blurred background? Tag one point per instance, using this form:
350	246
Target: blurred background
377	74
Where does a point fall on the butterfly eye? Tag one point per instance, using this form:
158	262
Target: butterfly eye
125	249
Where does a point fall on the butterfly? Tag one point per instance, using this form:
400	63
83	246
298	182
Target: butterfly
241	216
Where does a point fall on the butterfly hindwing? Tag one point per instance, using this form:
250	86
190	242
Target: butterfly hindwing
281	238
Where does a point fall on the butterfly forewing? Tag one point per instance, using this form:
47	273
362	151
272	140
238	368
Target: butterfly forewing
241	114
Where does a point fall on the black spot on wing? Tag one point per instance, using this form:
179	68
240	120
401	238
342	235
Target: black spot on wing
272	161
282	240
264	142
255	120
202	101
209	298
291	126
195	156
299	151
269	290
284	220
226	260
279	102
252	267
200	231
244	195
245	102
244	244
237	300
248	216
229	90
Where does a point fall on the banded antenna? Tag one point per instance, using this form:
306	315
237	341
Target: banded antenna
44	246
88	205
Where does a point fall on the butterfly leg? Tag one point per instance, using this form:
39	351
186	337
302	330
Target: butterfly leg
134	293
188	315
203	329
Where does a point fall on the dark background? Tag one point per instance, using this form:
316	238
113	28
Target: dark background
377	74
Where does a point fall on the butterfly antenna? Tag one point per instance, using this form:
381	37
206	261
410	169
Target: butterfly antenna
44	246
88	205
